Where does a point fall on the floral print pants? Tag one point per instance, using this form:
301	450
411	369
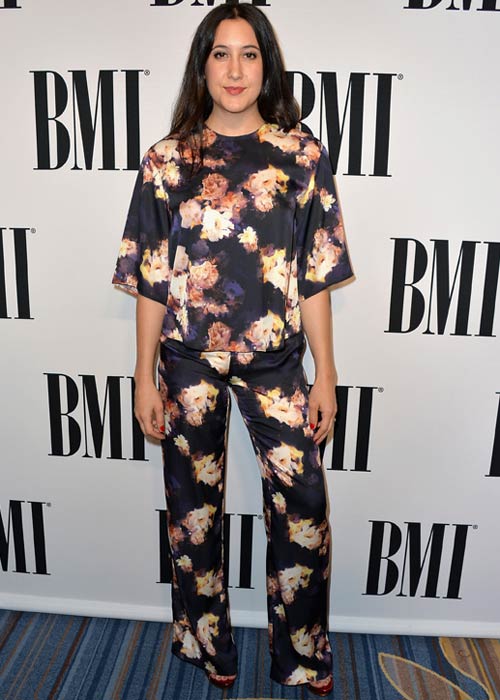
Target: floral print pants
272	395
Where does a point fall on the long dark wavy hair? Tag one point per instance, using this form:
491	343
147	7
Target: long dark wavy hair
276	102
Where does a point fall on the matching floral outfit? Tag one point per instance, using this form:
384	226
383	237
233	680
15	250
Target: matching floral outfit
229	251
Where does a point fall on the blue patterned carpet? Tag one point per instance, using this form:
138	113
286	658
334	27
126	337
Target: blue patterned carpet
68	657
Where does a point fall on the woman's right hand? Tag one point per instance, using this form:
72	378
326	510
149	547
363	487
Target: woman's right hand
148	409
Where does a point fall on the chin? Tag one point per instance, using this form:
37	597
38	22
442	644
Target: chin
234	105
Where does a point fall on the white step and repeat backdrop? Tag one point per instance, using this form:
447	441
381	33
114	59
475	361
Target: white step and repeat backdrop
404	94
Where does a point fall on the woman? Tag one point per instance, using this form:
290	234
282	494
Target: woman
233	236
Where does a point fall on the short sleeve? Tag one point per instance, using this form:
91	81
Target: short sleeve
322	256
142	266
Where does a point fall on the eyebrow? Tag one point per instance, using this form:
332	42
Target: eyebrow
223	46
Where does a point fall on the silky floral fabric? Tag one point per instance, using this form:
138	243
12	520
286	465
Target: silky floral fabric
232	249
271	391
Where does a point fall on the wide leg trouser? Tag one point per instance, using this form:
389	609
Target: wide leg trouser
272	395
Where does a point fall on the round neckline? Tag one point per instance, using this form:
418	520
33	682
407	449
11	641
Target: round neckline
235	136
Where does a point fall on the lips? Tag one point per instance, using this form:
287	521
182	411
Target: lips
234	90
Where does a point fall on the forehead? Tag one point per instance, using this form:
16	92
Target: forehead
235	32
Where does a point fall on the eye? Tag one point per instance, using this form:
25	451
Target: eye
251	54
219	53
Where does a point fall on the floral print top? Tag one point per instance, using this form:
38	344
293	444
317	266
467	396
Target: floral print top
231	250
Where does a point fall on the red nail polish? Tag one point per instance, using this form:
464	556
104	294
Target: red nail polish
162	428
311	425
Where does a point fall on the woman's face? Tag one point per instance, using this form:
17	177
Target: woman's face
234	68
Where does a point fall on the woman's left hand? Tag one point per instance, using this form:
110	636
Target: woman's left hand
322	398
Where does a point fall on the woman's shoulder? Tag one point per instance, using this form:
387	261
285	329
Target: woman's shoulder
295	141
166	148
162	152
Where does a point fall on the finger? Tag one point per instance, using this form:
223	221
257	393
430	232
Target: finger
313	415
146	423
321	435
149	428
324	426
141	423
159	422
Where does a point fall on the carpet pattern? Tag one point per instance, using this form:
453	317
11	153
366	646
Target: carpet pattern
69	657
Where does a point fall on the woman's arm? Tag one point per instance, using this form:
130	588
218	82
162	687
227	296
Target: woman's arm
316	317
148	402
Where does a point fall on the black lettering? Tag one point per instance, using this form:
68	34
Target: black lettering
382	124
22	282
457	561
495	454
138	441
166	3
21	273
39	538
399	285
412	554
15	531
246	550
82	107
339	434
364	425
490	290
421	4
335	126
3	281
42	120
16	517
441	273
56	414
441	289
85	119
466	5
362	433
375	557
487	5
132	115
91	406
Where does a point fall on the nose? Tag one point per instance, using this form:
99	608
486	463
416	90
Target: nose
234	68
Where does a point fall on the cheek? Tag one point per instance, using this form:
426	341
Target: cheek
208	74
258	74
211	71
211	81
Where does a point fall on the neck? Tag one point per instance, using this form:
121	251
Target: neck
235	125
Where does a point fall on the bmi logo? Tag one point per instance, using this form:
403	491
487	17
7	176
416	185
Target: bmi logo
14	267
14	531
69	120
437	293
484	6
243	548
334	114
79	412
391	565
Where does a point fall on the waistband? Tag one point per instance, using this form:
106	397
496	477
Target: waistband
290	343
